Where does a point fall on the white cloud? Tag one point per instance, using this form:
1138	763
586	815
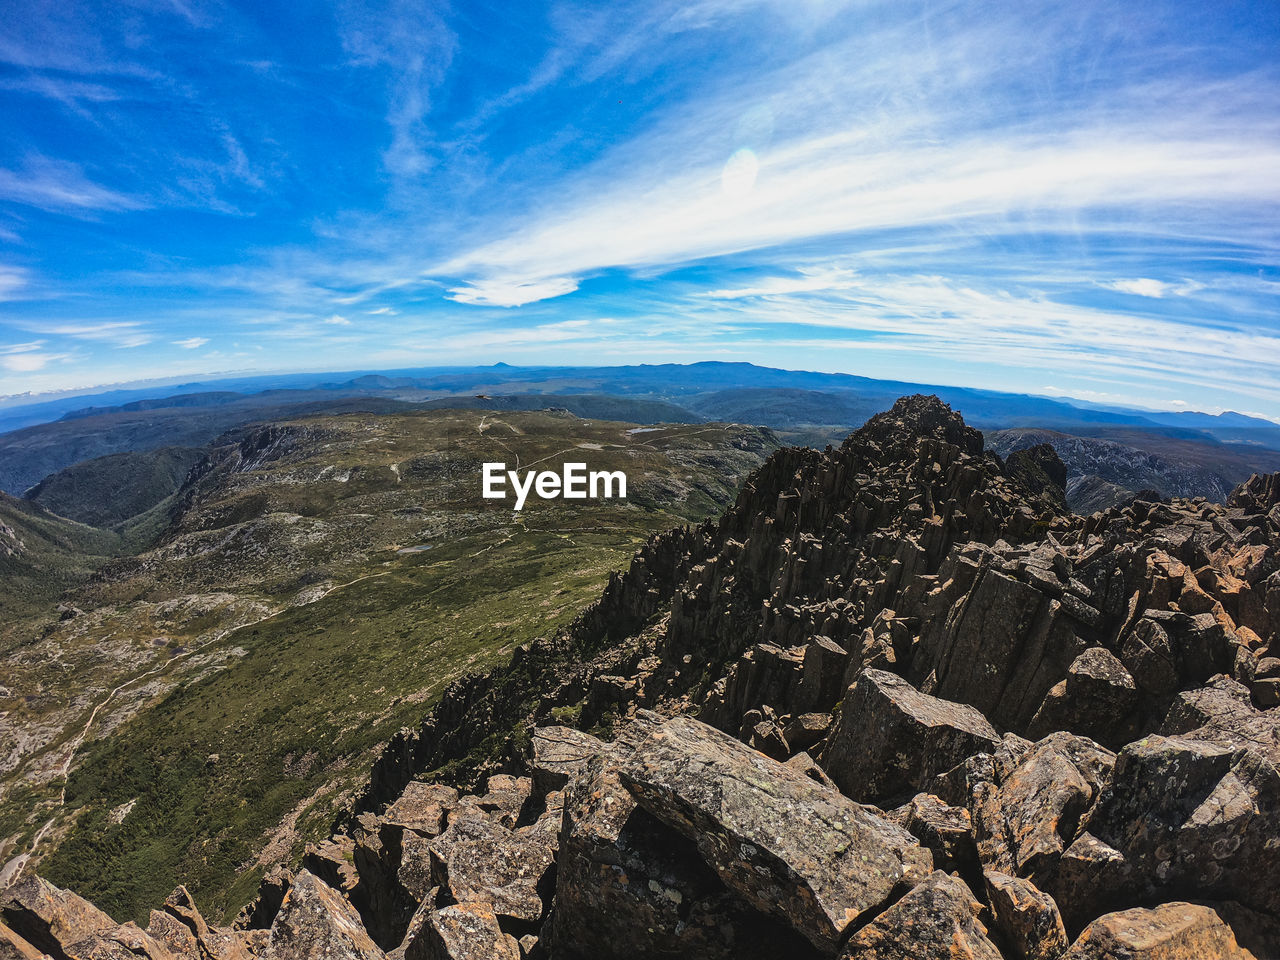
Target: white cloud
27	357
543	334
337	320
806	280
191	343
121	333
412	41
824	187
24	362
968	319
21	347
511	292
1141	287
12	279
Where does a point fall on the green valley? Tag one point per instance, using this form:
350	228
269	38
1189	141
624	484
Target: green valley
317	584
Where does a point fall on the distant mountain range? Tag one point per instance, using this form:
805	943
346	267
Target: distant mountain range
1102	472
1203	454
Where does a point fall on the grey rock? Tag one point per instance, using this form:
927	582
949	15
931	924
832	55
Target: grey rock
1026	917
892	739
1097	699
461	931
316	923
936	920
557	754
1171	931
784	843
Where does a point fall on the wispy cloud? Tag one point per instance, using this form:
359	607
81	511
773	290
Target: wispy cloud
1155	289
191	343
27	357
116	333
985	324
61	187
880	131
824	187
410	39
512	292
70	92
12	280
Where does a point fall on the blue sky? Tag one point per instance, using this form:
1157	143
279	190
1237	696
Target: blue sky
1072	198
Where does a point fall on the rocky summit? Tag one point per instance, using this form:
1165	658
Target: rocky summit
897	703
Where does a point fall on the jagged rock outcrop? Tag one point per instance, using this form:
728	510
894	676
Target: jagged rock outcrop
1069	724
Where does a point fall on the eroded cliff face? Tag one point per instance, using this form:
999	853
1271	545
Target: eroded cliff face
895	704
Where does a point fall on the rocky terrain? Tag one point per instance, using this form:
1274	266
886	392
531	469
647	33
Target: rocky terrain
897	703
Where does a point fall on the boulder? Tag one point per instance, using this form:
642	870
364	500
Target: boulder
504	799
212	943
1222	712
1089	878
477	859
767	737
126	942
334	862
1192	815
803	731
625	880
556	754
1098	699
1202	647
805	765
173	933
936	920
49	918
1025	917
821	675
688	842
945	830
460	931
1029	814
422	807
1000	649
416	875
13	947
316	923
892	739
1171	931
1147	653
788	846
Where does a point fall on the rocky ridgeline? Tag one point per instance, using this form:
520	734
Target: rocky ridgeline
896	704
